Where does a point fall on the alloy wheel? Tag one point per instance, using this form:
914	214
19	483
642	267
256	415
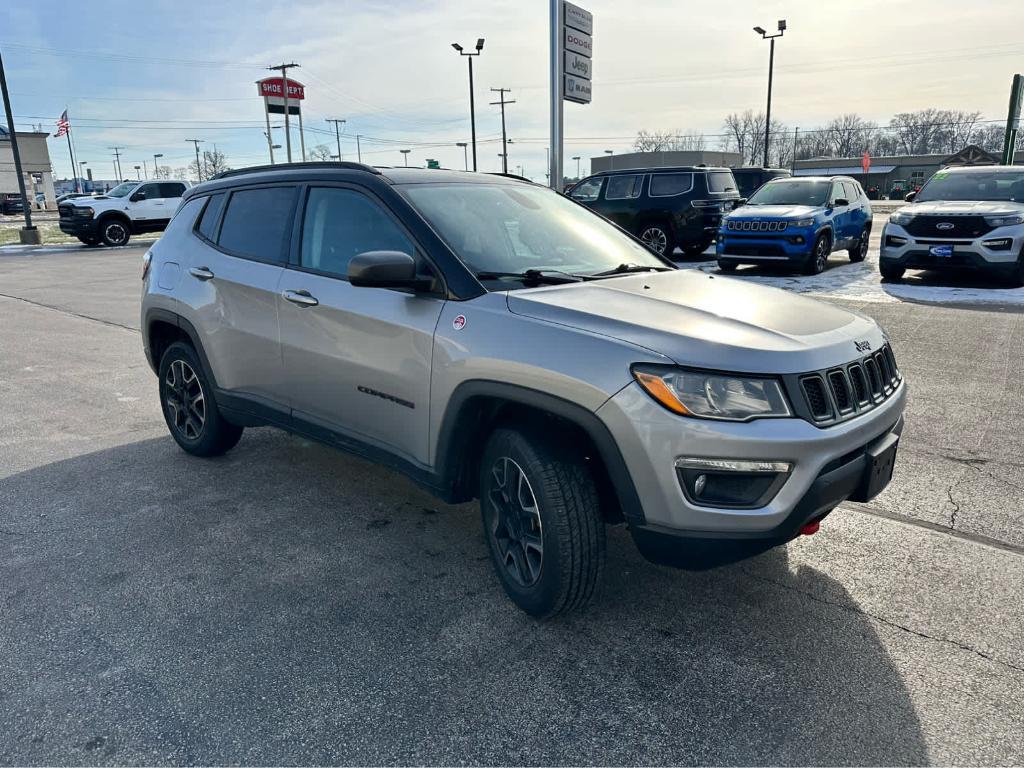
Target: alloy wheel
863	246
821	255
116	233
655	239
515	525
186	403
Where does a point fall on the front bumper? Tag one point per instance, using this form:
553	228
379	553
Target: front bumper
901	249
791	246
652	439
79	227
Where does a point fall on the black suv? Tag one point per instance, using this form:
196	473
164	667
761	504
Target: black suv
750	179
664	207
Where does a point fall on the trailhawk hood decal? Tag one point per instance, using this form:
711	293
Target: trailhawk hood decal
706	321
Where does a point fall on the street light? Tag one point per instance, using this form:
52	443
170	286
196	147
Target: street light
472	104
771	65
156	173
465	156
138	172
611	159
577	159
405	154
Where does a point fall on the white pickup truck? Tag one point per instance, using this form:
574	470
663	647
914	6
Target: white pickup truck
128	209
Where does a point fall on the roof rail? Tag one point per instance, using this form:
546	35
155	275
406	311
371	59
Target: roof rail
509	176
344	165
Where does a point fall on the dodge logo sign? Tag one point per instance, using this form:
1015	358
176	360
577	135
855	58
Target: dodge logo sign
945	226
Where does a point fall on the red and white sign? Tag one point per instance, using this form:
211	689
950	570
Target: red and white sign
865	162
273	87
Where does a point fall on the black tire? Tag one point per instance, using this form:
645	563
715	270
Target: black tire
859	252
201	431
1016	278
565	520
818	257
115	231
658	237
89	239
727	266
891	272
696	250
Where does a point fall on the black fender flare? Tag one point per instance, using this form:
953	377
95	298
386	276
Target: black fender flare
460	420
156	314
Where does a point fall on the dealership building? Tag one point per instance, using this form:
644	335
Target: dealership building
35	164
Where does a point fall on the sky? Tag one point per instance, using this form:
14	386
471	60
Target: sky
146	75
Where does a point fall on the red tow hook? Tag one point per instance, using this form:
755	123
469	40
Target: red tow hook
810	528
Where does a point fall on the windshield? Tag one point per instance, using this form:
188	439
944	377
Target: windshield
787	192
123	190
515	227
974	185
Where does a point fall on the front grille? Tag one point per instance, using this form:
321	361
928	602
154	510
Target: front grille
953	227
834	395
756	226
64	211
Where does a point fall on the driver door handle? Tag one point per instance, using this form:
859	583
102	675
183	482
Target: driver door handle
201	273
301	298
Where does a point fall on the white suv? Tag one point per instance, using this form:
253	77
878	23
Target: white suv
128	209
963	218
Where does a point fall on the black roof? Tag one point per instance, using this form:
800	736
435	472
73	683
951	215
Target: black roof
662	169
345	168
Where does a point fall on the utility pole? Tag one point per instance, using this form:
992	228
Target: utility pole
472	104
771	66
359	149
504	144
199	166
283	69
117	162
796	143
1013	119
29	235
337	133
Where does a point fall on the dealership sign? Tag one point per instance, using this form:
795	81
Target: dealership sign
274	87
578	45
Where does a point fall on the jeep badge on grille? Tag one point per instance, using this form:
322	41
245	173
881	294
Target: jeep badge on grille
862	346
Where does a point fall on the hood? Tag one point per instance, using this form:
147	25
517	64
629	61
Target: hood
706	321
963	207
773	211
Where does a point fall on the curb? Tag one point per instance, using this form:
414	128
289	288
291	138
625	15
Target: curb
27	250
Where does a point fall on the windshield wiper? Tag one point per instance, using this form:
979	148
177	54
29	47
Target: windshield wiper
550	276
625	269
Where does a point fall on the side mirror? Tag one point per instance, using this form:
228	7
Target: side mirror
840	202
909	197
138	196
386	269
741	202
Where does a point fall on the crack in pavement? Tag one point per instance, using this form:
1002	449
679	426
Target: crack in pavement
954	502
888	622
70	313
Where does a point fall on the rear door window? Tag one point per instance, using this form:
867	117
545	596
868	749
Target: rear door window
721	181
668	184
587	191
624	187
257	223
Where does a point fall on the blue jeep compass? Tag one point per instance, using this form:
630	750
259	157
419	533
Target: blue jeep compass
798	222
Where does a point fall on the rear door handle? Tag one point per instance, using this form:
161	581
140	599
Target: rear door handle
301	298
201	273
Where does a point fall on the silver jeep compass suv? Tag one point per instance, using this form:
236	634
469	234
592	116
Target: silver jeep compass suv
493	339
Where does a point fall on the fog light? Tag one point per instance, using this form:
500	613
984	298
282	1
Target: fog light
895	241
1001	244
731	482
699	483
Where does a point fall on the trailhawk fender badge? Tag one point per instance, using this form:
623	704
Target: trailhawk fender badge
862	346
459	322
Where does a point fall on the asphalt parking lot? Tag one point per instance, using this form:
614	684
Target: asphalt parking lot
288	604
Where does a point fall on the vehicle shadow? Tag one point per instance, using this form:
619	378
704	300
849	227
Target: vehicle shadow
289	604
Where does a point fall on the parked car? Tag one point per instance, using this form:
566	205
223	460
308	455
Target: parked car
11	203
664	207
128	209
492	339
797	222
750	179
964	219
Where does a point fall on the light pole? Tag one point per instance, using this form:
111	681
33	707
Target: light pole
771	65
156	173
611	159
405	155
138	172
465	152
472	104
577	159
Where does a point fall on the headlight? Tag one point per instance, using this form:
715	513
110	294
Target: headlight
1004	220
802	223
84	212
901	217
713	395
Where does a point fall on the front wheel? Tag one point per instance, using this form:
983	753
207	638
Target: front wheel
818	257
727	266
89	239
891	272
542	521
658	238
859	252
114	232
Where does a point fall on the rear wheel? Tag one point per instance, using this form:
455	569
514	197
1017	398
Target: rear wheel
190	411
114	231
818	257
658	238
541	518
696	250
859	252
891	272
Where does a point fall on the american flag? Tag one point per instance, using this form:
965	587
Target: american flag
63	124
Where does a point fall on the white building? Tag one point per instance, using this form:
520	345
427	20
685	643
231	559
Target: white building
35	163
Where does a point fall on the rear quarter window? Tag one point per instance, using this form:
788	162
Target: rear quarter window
721	181
211	214
668	184
185	216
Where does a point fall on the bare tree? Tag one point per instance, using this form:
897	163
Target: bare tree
849	135
214	162
321	153
744	133
162	172
667	141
